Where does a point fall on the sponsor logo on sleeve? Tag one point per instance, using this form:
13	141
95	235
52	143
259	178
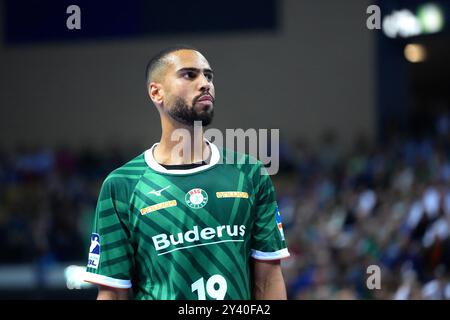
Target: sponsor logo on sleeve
280	225
94	251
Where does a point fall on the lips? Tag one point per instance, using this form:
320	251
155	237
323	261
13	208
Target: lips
206	98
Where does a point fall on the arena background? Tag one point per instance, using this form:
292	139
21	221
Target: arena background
364	123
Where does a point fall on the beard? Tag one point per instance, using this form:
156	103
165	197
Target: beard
185	114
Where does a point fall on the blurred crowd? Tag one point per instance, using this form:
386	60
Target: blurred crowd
47	202
386	205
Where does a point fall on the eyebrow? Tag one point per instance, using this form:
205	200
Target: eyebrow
194	70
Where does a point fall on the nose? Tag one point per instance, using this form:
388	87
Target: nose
205	83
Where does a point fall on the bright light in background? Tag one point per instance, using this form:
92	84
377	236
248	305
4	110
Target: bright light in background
404	23
408	24
431	18
74	277
415	53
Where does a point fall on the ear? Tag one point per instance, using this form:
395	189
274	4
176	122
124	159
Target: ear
156	93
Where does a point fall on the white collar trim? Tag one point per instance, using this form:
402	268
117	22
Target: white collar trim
152	163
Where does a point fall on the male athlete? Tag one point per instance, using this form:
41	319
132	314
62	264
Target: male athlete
179	223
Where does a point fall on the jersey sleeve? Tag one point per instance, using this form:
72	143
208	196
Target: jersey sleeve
110	254
268	241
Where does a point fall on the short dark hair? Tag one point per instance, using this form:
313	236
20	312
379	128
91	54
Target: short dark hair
158	60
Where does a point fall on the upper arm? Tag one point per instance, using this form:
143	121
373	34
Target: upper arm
109	293
266	270
268	282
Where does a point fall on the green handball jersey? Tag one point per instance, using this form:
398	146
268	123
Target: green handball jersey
185	234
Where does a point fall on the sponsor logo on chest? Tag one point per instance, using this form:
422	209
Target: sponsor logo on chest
159	206
196	198
195	237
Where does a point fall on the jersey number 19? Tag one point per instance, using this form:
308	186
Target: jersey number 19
216	287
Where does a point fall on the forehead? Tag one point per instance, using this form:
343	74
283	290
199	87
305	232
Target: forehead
186	59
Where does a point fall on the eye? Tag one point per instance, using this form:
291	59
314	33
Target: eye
209	76
189	75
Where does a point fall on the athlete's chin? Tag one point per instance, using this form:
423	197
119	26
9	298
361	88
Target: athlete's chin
204	115
204	106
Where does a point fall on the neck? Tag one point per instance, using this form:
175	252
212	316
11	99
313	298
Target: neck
181	144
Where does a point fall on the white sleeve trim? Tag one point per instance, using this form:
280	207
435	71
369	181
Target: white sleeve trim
107	281
280	254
